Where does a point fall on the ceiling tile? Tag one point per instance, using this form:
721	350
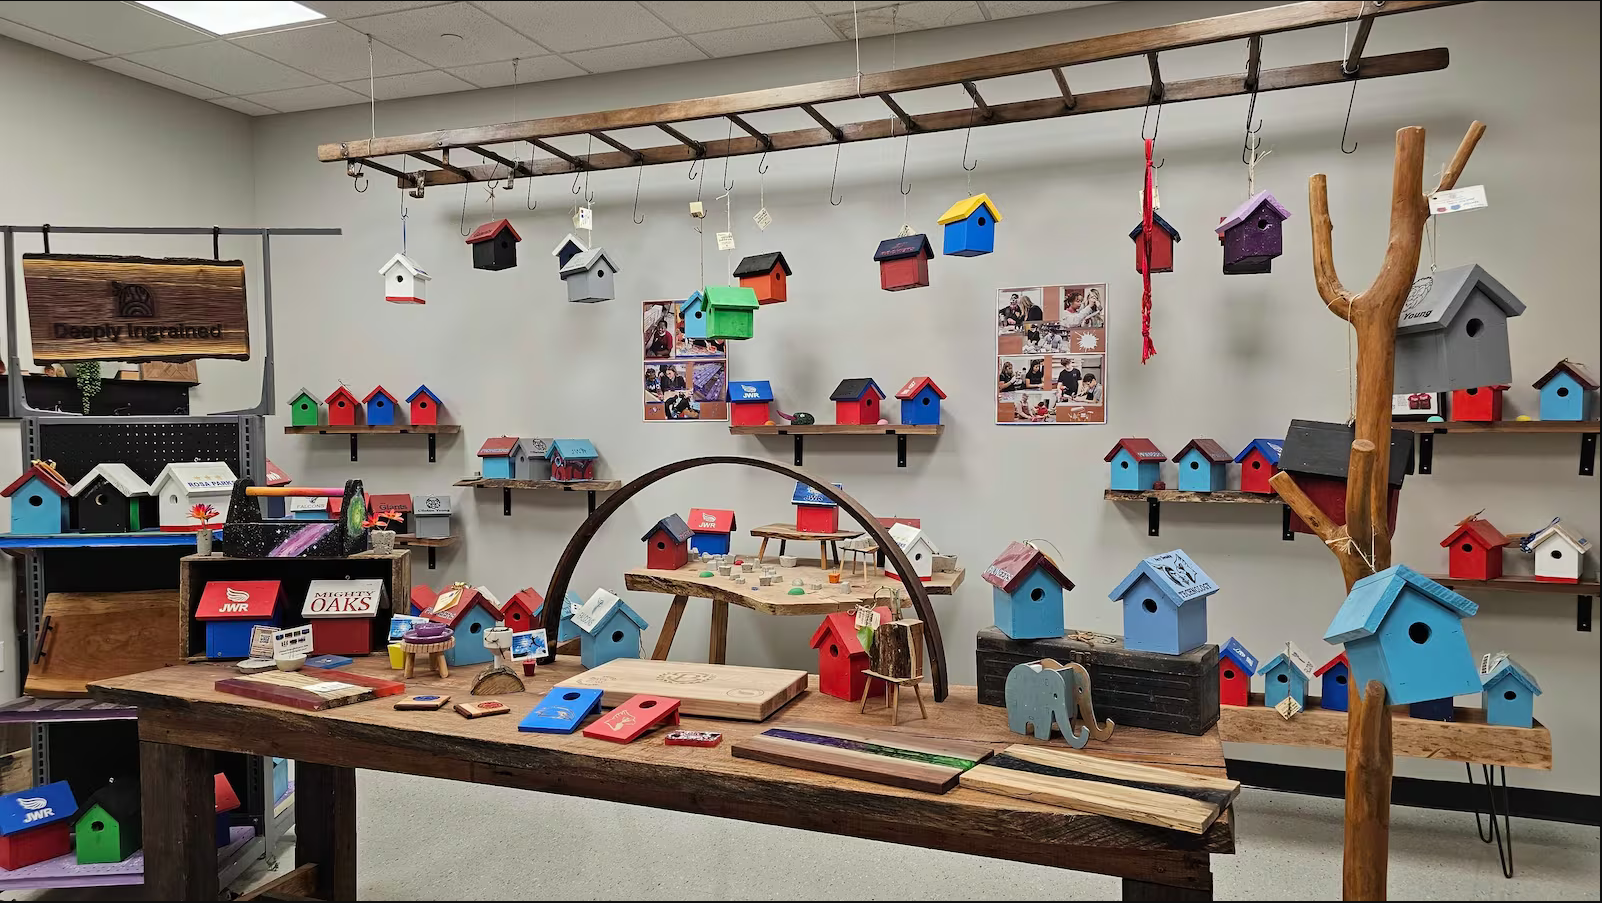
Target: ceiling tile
580	26
240	105
909	17
421	33
416	84
637	56
1006	9
113	28
350	9
314	97
146	74
691	18
331	51
221	65
49	42
829	7
762	38
497	75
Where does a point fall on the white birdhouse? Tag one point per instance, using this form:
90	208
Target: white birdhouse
919	550
404	281
1559	554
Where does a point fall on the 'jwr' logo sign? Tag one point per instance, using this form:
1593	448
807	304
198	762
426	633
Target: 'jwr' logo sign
235	607
38	814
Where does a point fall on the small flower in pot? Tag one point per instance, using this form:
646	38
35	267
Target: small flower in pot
203	536
380	538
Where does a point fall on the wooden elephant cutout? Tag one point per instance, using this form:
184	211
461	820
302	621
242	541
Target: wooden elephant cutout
1040	693
1084	710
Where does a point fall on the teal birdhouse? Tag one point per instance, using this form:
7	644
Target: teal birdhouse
1509	693
1568	392
39	501
1135	464
1286	676
1405	630
1165	604
695	317
1028	588
608	629
1202	466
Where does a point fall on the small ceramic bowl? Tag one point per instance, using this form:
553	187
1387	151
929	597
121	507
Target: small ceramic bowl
290	662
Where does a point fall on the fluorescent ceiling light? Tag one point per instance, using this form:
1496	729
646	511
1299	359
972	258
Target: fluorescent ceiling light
235	16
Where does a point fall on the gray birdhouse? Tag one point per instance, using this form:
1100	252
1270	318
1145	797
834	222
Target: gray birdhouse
531	462
432	514
589	277
1453	332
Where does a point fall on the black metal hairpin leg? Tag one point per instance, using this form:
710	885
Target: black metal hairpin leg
1285	531
506	502
1426	452
353	446
798	449
1154	514
431	447
1501	835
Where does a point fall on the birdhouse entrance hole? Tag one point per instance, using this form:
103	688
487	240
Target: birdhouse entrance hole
1283	678
1229	674
1563	392
1473	327
423	403
1036	594
37	500
399	278
917	556
603	273
1418	632
1510	695
1262	223
1195	465
981	221
101	826
1556	553
1257	465
660	544
834	651
1468	546
926	399
1474	391
1340	679
617	637
1124	465
476	628
1150	605
100	498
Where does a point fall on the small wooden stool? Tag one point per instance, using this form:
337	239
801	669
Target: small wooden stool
893	694
435	653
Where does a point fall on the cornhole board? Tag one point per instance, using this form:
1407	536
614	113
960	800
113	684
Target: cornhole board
883	757
313	689
715	691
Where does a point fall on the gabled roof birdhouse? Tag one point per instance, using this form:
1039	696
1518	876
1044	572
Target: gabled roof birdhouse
856	401
1318	454
1165	604
404	281
667	544
498	456
1286	674
36	824
608	629
494	246
1201	466
1163	239
39	501
1475	550
919	549
730	311
342	405
425	406
589	277
1559	553
1508	693
380	407
1259	461
970	227
1453	332
814	511
766	274
1404	630
1251	236
712	528
1027	594
182	486
1566	392
109	826
1236	666
748	402
904	262
1336	683
920	401
113	499
693	312
1135	464
304	409
566	249
842	659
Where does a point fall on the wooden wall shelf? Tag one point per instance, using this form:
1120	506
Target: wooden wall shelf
1587	430
1582	591
899	430
1468	739
1154	499
589	487
431	544
433	431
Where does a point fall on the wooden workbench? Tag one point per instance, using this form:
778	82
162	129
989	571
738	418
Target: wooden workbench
182	720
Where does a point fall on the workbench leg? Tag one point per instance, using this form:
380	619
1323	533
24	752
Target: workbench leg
1145	890
823	554
762	549
325	827
670	628
180	821
720	632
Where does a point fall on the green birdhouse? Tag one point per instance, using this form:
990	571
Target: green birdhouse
109	830
303	409
731	311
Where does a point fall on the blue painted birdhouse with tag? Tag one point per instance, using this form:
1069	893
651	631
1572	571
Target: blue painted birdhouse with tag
1405	630
1509	694
1568	392
1165	604
1202	465
1135	464
1028	588
1286	675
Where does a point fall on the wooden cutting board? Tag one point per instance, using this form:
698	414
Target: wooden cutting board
99	635
313	689
1140	793
715	691
880	756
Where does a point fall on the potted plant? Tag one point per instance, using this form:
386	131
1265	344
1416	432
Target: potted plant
203	536
380	538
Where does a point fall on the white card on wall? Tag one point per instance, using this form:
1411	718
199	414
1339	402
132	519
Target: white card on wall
584	218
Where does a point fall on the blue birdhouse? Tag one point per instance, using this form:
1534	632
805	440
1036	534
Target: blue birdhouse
920	401
565	629
608	629
1028	593
468	613
1509	694
1201	466
1135	464
1405	630
498	457
566	249
380	407
39	504
1566	392
693	310
1337	683
970	227
1286	675
1165	604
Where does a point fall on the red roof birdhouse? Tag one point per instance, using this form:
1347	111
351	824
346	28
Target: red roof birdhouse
841	656
1475	550
494	246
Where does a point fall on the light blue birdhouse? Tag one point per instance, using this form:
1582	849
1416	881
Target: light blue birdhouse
920	402
1135	464
497	457
1509	694
1165	604
39	504
970	227
1028	590
608	629
380	407
469	625
1286	675
1405	630
1336	688
1202	464
1567	392
694	313
565	630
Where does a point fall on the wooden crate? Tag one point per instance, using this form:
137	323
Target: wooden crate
1177	693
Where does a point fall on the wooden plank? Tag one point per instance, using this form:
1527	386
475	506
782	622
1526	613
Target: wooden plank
833	130
178	803
365	429
1522	584
907	121
840	429
789	533
1062	86
1221	497
325	827
880	756
1467	739
979	101
16	771
1141	793
560	154
750	130
295	688
696	147
604	138
96	635
583	486
440	542
297	883
713	690
776	599
1498	426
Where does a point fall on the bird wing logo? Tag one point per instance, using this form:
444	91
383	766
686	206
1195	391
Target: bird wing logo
32	803
237	595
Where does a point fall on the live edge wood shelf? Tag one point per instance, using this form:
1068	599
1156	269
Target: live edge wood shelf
1587	430
1154	499
431	430
589	487
429	543
899	430
1582	591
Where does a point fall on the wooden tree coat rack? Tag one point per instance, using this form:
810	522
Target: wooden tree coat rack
1363	544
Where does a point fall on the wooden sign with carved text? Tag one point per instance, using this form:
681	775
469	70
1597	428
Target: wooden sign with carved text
90	308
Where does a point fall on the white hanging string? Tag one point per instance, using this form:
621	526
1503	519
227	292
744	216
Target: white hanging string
856	37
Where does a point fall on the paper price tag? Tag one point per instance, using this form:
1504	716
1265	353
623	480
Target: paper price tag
763	219
1299	659
905	231
1288	708
867	617
584	218
294	641
594	609
725	241
1459	199
1156	195
261	641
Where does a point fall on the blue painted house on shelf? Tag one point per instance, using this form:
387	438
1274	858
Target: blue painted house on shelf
1509	693
231	609
381	407
1405	630
1335	691
1165	604
468	611
608	629
1236	665
498	457
39	504
1028	588
1286	674
694	312
970	227
1202	464
1567	392
1135	464
920	402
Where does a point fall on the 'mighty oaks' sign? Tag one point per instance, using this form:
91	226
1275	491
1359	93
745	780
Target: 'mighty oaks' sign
343	599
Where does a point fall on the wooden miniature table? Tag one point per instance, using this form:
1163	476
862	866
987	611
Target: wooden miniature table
182	720
785	534
770	600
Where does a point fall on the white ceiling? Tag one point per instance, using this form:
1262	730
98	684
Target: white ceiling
424	47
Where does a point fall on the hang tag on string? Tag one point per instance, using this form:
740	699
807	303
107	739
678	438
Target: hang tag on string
1457	200
905	231
725	241
1156	195
584	218
763	219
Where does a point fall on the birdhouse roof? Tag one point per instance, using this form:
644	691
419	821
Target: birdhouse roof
1178	578
499	446
711	520
1142	450
906	536
1434	303
537	446
1270	449
200	477
617	609
806	495
46	474
453	603
1235	652
843	624
904	246
965	208
730	297
585	260
56	799
1371	599
916	385
341	391
674	525
1160	223
1015	563
1289	659
422	390
1337	660
1249	208
120	476
304	392
750	390
244	600
1505	667
490	230
1561	531
276	475
854	389
1481	530
428	505
761	264
529	598
1211	450
1578	371
119	799
380	390
568	241
227	799
344	599
690	304
391	501
573	450
1324	449
410	265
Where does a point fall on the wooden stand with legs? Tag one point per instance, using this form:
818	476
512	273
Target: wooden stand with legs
893	694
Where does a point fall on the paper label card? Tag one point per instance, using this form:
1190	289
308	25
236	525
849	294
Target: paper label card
329	686
261	641
905	231
399	624
584	218
867	617
594	610
725	241
1299	659
294	641
1288	708
763	219
528	644
1459	199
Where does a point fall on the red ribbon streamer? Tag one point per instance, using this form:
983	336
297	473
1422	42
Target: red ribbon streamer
1147	349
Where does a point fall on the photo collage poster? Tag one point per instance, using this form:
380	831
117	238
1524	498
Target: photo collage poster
1051	349
684	378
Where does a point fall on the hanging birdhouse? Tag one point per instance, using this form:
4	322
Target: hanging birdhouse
1163	239
494	246
904	262
568	248
1453	332
589	277
1252	236
731	311
404	281
694	313
970	227
767	275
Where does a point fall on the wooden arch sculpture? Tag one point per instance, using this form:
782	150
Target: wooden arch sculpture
915	591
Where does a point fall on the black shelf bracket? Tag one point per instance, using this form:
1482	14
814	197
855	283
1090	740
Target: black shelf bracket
901	450
506	502
1426	452
1154	516
1582	615
432	444
353	446
1285	531
591	495
798	438
1588	454
431	551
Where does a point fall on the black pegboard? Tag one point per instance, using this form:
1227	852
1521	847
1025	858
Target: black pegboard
146	447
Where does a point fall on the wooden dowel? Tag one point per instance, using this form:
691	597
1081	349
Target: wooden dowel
1062	85
984	108
820	119
558	152
686	140
1254	60
1355	55
749	130
1368	796
1156	77
906	119
294	492
608	139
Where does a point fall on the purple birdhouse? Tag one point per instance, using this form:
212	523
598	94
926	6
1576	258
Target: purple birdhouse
1252	236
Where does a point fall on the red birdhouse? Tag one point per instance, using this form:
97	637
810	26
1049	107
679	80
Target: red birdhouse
1482	404
904	262
1163	239
523	610
841	657
342	407
1476	550
425	406
856	401
766	274
667	545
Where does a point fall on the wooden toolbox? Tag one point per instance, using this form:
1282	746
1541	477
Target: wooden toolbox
1177	693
